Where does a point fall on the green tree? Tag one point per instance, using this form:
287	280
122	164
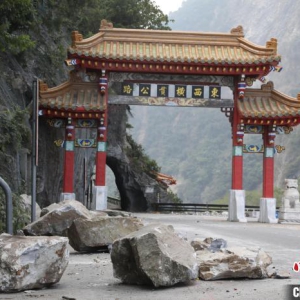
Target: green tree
85	16
140	159
135	14
16	17
14	132
20	19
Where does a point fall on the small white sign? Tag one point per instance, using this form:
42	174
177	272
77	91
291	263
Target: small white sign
69	146
101	146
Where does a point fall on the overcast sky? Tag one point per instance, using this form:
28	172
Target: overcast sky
168	5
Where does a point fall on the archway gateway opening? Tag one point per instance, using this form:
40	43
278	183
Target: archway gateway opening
151	67
193	145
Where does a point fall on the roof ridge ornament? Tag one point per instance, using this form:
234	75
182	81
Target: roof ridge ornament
237	30
272	44
106	25
269	86
43	87
76	37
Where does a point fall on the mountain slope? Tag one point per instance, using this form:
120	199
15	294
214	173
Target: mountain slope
194	145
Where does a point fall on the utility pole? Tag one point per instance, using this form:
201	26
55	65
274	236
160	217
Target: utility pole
34	156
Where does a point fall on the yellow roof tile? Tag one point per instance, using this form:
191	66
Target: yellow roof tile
75	94
268	102
174	46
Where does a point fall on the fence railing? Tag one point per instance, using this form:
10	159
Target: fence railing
196	207
9	205
114	201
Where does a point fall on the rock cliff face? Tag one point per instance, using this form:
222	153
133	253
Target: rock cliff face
137	189
16	90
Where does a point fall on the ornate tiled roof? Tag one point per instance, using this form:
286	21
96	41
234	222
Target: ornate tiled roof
77	94
268	103
173	46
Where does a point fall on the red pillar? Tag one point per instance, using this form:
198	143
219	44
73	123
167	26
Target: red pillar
102	134
268	163
100	168
237	147
237	172
68	181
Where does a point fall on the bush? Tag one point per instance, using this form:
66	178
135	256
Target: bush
174	197
20	216
140	159
14	132
15	17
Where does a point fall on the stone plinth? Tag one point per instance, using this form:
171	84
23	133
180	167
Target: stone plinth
67	196
99	201
289	214
236	211
267	213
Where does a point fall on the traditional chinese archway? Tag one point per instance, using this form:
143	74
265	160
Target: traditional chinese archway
151	67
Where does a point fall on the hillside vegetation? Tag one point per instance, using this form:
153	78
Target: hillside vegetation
34	36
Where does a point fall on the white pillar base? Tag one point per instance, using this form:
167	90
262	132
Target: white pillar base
236	209
67	196
289	214
99	201
267	210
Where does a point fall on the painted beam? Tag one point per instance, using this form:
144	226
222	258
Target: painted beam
170	101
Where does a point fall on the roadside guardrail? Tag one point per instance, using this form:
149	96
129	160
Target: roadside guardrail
196	207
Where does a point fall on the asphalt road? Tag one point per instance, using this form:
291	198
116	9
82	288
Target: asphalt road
90	276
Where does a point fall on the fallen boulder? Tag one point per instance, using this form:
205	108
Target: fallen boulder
52	207
216	245
100	232
75	203
239	262
280	275
31	262
154	255
198	244
59	219
209	243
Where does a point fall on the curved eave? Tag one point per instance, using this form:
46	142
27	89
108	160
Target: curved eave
257	49
267	103
71	96
63	88
213	60
59	107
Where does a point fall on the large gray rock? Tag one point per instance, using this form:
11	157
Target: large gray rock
154	255
209	243
100	232
59	219
52	207
239	262
31	262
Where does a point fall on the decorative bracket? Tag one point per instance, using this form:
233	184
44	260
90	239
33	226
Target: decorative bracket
228	111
